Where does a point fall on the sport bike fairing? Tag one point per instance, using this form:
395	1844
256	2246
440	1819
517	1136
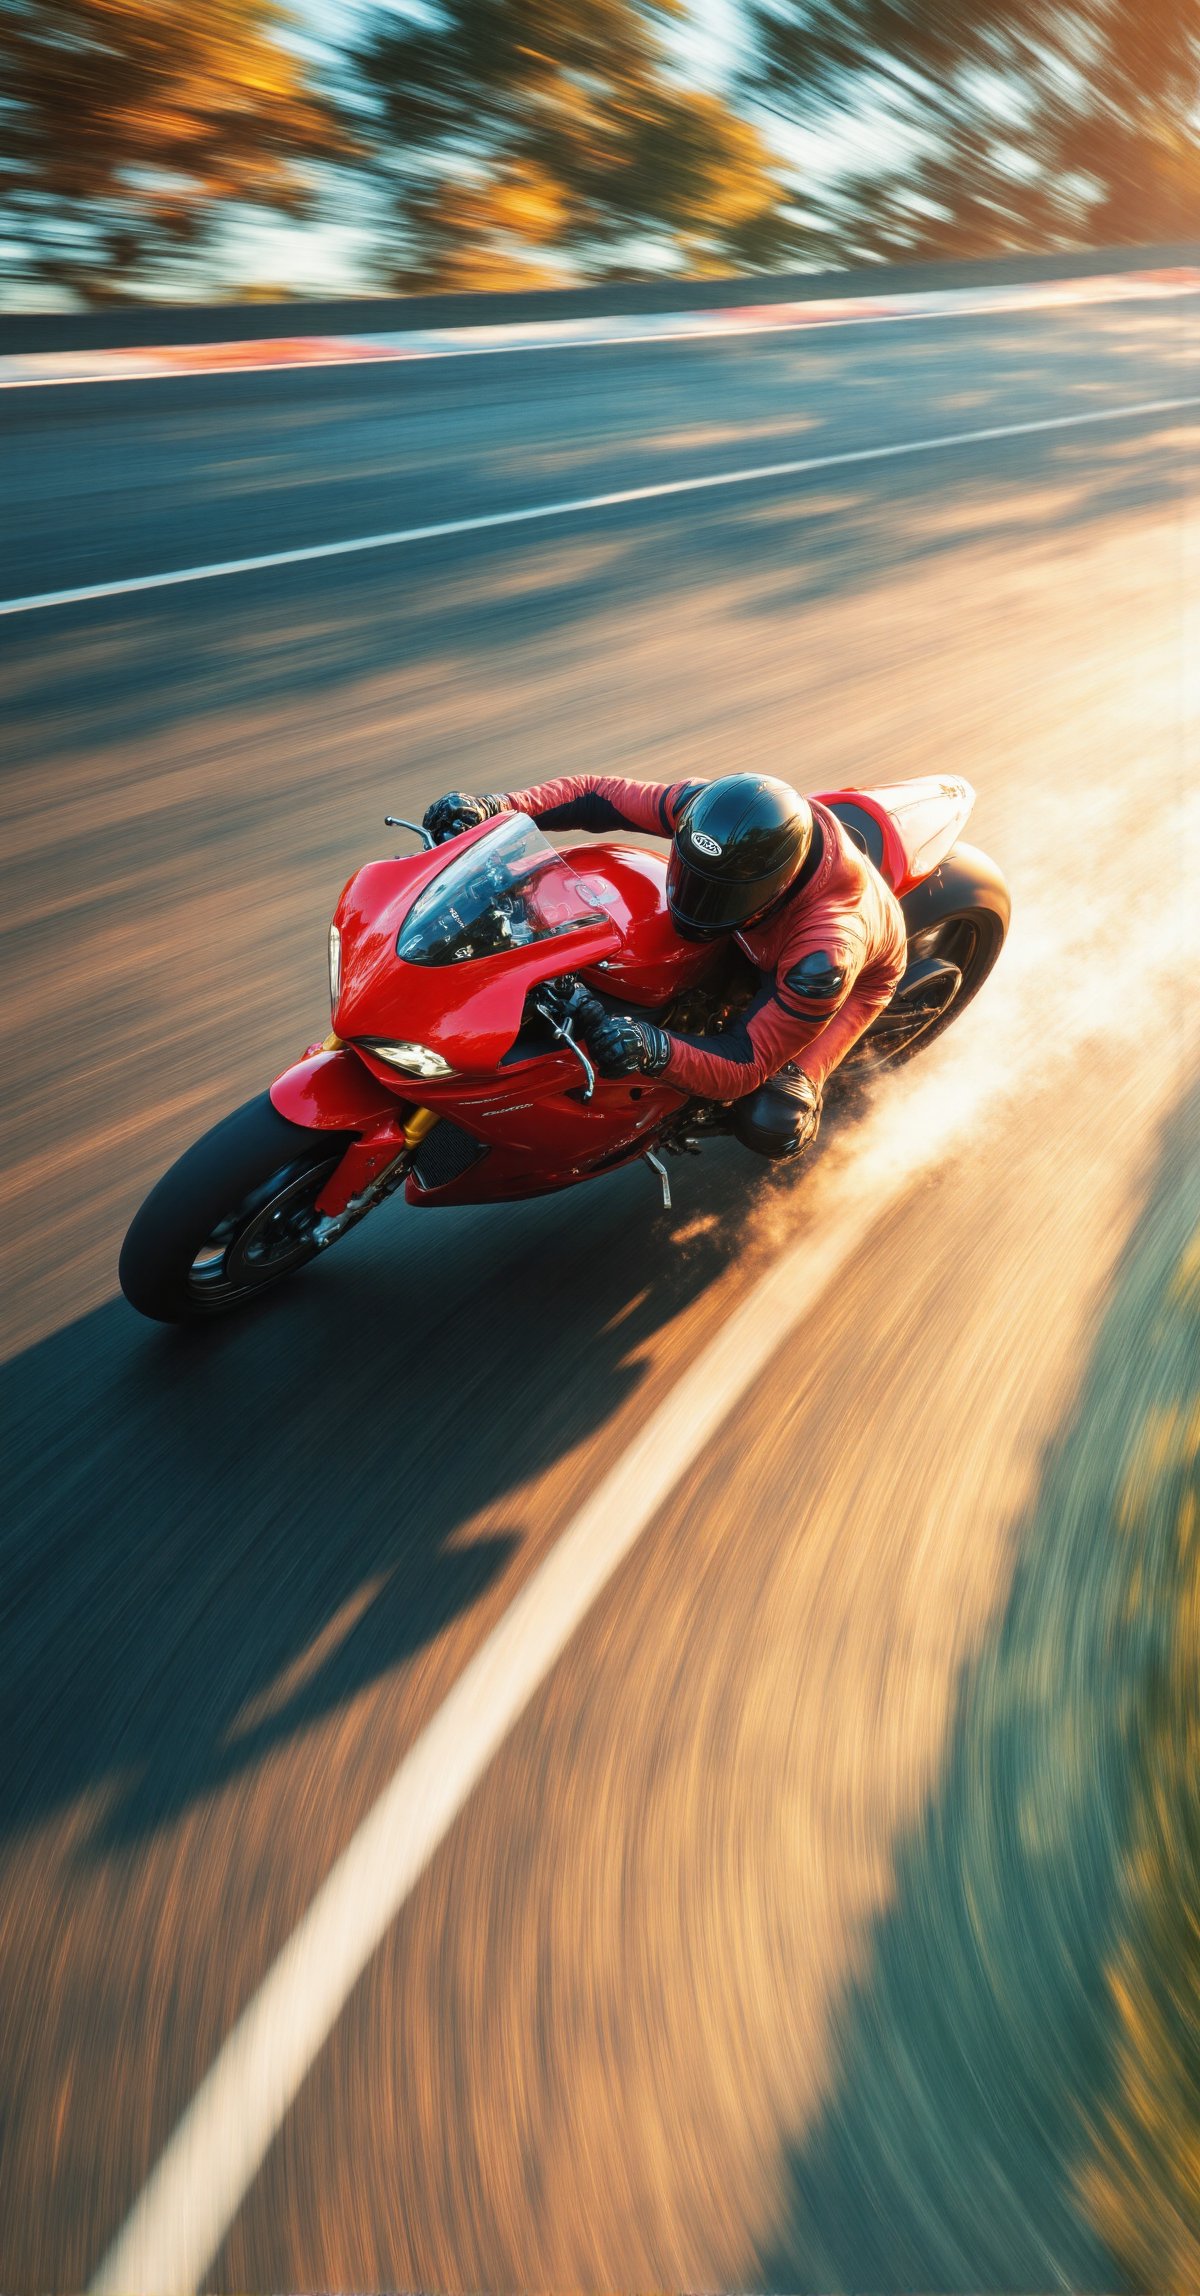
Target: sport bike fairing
917	823
442	949
447	956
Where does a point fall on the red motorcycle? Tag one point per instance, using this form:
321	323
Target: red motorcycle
461	981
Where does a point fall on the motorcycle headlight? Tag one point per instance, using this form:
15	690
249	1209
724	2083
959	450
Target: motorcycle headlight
410	1059
335	967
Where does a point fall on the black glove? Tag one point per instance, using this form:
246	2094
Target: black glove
621	1046
448	816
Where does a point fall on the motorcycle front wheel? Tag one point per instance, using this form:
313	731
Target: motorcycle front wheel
234	1215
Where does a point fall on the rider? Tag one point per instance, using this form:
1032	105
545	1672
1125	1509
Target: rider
752	859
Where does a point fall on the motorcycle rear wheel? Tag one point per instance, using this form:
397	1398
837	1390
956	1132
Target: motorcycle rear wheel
966	942
233	1216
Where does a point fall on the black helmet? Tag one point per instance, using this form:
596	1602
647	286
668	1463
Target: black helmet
742	841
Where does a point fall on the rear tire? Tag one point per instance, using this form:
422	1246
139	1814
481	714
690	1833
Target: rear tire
948	965
232	1217
957	920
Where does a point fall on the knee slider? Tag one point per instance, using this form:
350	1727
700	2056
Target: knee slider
779	1120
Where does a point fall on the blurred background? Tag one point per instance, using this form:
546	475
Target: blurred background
828	1918
248	148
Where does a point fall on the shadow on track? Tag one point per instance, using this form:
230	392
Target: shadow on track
191	1513
976	2053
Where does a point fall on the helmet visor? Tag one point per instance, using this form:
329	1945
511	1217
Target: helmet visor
700	904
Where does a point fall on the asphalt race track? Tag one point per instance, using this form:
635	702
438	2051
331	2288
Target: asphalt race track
773	1948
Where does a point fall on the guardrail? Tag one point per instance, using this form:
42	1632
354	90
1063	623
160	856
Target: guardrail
133	326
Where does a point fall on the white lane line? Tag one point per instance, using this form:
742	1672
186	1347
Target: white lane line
88	593
193	2194
51	370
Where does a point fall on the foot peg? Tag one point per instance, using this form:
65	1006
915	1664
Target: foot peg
656	1165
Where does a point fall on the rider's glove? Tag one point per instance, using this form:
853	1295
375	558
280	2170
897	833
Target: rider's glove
449	816
621	1046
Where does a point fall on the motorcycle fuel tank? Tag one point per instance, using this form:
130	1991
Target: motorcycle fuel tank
654	963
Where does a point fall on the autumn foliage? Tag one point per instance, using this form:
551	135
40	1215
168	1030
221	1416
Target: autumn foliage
511	132
484	142
131	129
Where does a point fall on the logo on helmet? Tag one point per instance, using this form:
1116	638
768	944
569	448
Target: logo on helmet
706	844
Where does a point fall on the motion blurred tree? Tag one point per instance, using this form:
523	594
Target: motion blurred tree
508	134
495	140
1001	124
129	130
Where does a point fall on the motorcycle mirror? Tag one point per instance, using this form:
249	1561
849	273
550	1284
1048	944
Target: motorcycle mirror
397	821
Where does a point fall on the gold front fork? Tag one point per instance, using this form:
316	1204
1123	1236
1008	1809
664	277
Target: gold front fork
418	1124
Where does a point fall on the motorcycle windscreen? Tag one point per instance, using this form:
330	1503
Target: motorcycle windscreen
506	891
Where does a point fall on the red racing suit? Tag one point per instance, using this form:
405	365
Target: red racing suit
829	953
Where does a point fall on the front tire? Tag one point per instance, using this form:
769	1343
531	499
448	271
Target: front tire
235	1215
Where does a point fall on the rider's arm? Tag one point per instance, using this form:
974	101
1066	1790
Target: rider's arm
603	801
812	1014
871	992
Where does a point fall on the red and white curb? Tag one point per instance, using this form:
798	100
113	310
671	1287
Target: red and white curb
37	369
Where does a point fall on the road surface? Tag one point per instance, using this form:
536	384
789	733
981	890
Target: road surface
773	1947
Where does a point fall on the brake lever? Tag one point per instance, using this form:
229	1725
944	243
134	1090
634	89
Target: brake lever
397	821
566	1035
